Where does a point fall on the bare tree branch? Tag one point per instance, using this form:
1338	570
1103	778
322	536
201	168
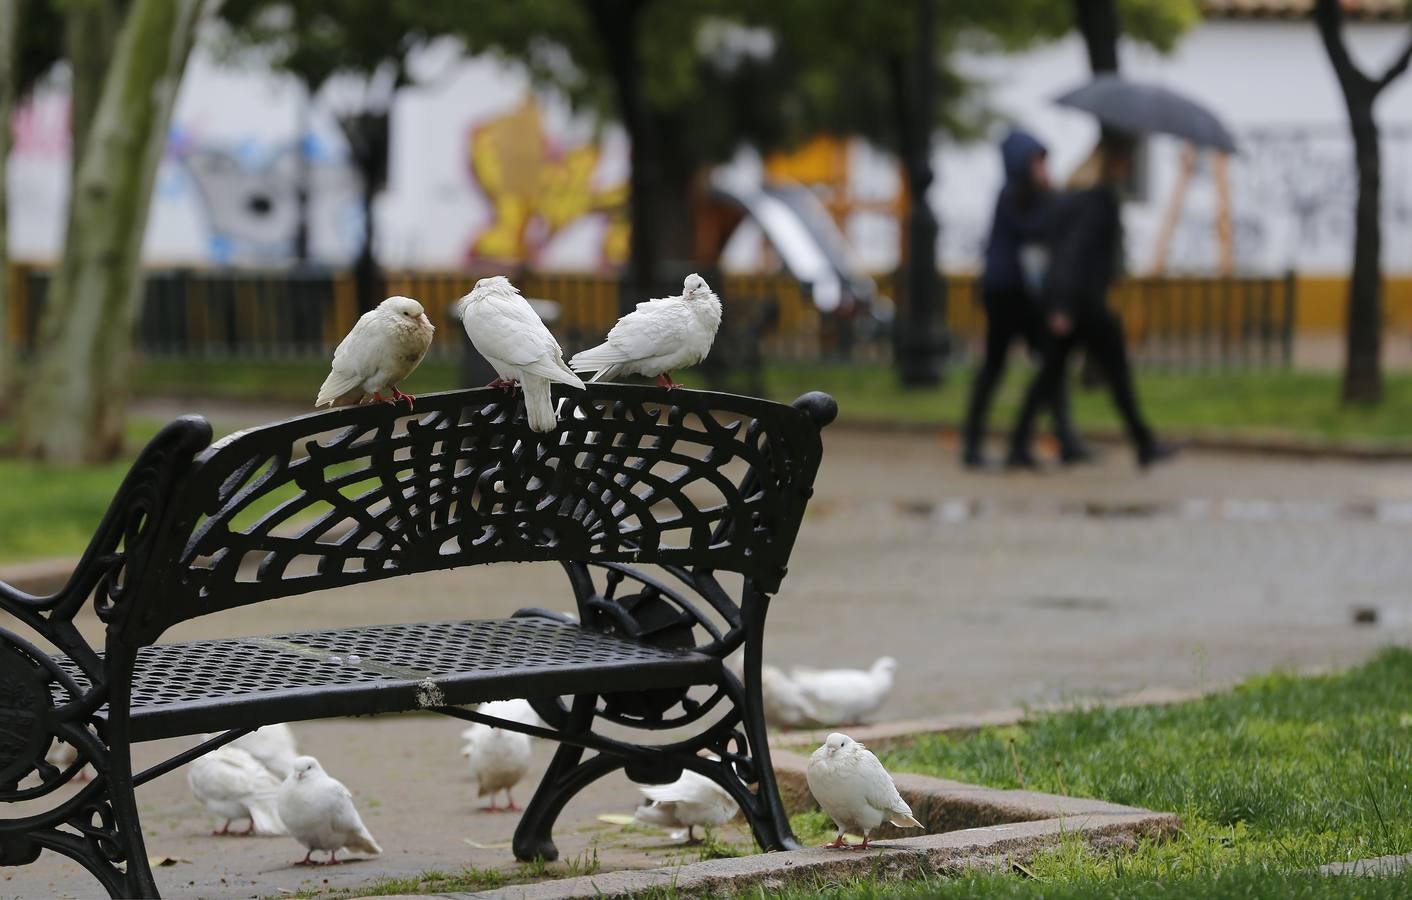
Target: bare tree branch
1328	16
1397	68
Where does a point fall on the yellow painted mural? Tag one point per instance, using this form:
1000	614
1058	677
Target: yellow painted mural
536	195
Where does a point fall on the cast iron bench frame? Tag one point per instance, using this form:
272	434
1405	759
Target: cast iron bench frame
462	482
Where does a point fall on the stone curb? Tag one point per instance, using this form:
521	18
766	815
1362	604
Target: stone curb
1022	823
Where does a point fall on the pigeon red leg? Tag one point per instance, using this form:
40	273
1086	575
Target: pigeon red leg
398	395
665	381
839	843
224	829
378	398
249	831
307	860
507	385
333	859
864	845
510	801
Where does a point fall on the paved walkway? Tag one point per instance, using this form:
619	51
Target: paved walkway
991	591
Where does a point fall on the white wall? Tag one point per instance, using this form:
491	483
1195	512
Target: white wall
231	142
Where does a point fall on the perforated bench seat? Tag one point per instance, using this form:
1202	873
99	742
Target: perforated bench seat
200	686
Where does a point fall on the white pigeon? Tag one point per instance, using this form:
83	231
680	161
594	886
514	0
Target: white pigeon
383	348
499	759
319	812
234	785
784	704
273	746
852	788
691	800
514	340
844	696
659	336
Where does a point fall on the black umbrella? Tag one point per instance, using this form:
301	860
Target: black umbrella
1145	108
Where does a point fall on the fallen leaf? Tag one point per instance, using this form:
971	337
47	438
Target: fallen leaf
616	819
158	861
479	846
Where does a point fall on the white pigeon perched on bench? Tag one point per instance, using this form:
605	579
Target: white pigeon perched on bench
658	337
499	759
515	341
691	800
845	696
852	788
318	811
234	785
384	347
273	745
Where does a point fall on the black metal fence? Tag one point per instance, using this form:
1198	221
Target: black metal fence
1179	323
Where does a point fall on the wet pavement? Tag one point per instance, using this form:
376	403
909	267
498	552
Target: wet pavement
991	590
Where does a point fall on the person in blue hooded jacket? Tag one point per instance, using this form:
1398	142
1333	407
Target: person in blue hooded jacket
1024	213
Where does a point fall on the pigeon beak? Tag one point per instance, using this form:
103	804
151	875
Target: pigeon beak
424	320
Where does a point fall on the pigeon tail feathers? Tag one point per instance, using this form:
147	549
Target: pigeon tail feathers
335	386
539	407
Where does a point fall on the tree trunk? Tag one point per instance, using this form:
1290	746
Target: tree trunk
1362	365
616	23
913	80
1362	374
77	402
369	138
301	178
90	30
1098	23
9	28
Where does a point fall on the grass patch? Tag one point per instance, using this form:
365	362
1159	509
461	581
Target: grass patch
1301	405
1268	404
466	879
1272	780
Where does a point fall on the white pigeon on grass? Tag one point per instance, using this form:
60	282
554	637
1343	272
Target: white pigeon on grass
845	696
319	813
658	337
499	759
234	785
691	800
852	788
273	745
383	348
514	340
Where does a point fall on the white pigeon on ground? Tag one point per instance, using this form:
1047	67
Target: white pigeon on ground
499	759
514	340
658	337
318	811
845	696
234	785
691	800
784	704
273	745
852	788
383	348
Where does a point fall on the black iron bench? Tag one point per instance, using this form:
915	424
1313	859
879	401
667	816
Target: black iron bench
644	497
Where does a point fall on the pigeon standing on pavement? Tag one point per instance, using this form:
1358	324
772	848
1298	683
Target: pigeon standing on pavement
234	785
844	696
273	746
383	348
854	790
63	754
319	812
659	336
691	800
506	330
499	759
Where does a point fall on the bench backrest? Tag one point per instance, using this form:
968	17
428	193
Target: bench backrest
632	474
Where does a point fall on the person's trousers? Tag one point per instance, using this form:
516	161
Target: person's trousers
1100	334
1010	315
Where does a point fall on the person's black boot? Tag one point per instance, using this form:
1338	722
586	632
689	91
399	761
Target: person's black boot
973	458
1021	459
1154	452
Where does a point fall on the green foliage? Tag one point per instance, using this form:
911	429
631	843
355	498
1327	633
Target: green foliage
1284	773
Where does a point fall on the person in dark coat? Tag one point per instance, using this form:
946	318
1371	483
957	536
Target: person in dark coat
1022	215
1085	256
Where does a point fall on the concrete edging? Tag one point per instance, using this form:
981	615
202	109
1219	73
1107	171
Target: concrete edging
1019	825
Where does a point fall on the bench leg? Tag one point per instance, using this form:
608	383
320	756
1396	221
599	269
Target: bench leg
565	777
766	813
